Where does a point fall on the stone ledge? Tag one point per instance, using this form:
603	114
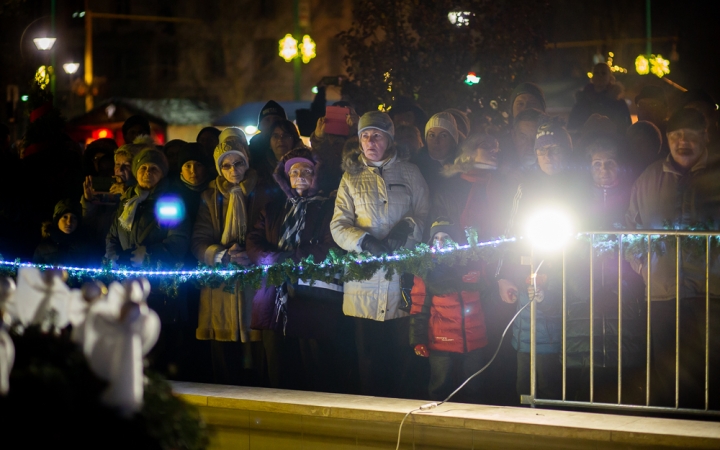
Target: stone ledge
608	428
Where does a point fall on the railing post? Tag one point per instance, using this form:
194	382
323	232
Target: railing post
533	332
707	323
620	305
564	327
648	285
677	321
592	319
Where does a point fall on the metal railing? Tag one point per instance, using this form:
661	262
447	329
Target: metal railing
647	238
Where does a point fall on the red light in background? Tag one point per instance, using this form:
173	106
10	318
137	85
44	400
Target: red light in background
102	133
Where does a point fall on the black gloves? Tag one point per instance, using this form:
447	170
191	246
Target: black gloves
398	235
373	245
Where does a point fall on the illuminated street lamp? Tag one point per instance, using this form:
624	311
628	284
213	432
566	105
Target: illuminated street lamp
288	48
655	64
71	68
44	43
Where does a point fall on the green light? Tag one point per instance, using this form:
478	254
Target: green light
314	90
24	98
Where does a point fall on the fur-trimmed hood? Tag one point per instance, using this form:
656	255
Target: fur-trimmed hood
353	164
282	179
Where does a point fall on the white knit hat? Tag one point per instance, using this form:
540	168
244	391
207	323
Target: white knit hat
230	132
443	120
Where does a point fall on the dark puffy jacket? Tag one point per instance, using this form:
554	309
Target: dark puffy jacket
58	248
166	244
444	318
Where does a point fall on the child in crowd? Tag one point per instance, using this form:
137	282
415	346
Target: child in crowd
447	321
62	243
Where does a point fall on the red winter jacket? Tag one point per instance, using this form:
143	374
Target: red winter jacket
452	322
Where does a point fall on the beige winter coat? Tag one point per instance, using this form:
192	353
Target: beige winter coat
371	200
223	316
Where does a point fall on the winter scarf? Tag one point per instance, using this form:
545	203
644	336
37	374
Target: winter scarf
199	188
294	222
127	217
236	218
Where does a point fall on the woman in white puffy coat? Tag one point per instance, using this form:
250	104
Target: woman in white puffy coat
381	205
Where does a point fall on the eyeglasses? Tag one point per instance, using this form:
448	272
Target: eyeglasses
687	134
229	166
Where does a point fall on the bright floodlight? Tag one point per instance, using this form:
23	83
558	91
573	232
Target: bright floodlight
71	68
250	129
45	43
170	210
549	229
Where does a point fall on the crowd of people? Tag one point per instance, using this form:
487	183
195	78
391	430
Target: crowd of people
393	181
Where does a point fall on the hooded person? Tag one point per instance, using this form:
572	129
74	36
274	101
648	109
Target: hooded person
291	315
441	138
195	176
270	113
63	240
381	206
137	235
218	239
603	95
447	322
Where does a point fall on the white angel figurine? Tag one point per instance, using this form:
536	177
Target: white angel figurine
118	332
7	348
43	298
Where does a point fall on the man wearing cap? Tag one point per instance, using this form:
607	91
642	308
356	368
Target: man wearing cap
381	206
683	192
260	143
526	96
442	136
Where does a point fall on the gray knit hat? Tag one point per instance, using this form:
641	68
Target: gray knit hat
378	120
150	155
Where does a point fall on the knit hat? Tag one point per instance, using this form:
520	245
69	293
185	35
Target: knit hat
377	120
292	161
150	155
443	225
462	121
271	108
132	121
225	149
444	120
651	91
528	88
193	152
686	118
233	132
65	206
553	133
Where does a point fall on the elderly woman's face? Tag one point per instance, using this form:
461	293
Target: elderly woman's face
604	168
123	167
487	152
148	175
374	144
233	168
301	177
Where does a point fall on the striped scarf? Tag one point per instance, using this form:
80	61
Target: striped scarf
294	222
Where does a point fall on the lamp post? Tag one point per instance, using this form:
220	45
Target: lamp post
289	50
71	69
